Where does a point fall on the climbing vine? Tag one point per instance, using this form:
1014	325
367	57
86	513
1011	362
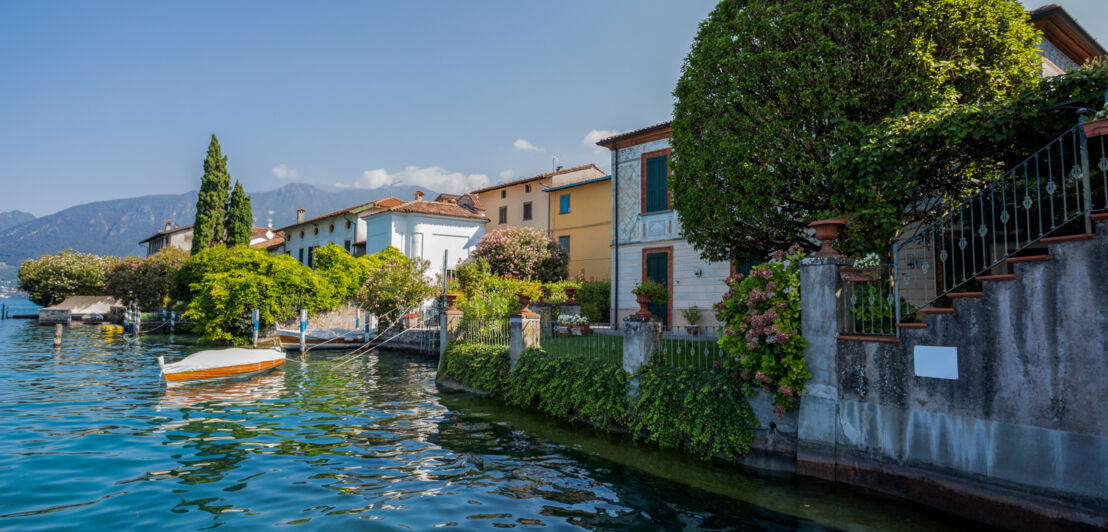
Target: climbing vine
570	386
703	412
762	314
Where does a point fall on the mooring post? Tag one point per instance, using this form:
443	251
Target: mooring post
303	330
366	325
58	335
172	319
138	321
254	319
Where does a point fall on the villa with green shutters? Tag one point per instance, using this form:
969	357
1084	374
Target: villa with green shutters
646	234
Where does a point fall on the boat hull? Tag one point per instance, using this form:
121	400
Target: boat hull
292	341
222	373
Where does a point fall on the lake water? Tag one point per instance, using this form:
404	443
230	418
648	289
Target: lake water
90	437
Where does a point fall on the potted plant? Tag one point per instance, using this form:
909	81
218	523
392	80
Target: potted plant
450	299
647	292
692	316
569	290
827	231
565	325
865	269
1097	124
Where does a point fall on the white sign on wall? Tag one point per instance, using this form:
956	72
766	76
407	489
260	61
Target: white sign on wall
937	362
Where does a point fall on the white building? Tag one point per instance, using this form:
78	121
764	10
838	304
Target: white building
428	230
646	234
418	228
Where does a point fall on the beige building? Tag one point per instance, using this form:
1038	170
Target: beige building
522	202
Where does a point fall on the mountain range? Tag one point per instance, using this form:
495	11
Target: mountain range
115	227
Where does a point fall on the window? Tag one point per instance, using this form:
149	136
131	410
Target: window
301	235
563	204
301	259
503	194
527	210
564	242
346	244
504	215
317	230
311	255
332	228
655	191
527	188
348	224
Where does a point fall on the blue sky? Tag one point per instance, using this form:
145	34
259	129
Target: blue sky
115	99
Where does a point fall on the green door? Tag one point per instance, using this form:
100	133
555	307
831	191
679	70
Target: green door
657	270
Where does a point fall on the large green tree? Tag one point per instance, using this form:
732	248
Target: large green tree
211	203
776	95
240	217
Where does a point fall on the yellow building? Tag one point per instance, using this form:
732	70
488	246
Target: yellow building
581	222
522	203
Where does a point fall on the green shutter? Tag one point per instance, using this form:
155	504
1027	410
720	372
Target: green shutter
657	270
657	195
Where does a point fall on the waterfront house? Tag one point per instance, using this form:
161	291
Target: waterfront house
1065	43
343	227
581	222
521	202
178	236
431	230
646	234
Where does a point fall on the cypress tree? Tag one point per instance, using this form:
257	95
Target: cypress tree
211	203
240	218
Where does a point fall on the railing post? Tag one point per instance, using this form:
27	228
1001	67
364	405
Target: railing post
1087	195
896	287
641	337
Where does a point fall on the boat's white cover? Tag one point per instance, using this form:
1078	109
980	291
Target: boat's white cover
219	358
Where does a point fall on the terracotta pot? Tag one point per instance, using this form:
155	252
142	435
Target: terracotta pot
450	299
692	329
569	294
860	275
644	301
1096	128
524	301
827	231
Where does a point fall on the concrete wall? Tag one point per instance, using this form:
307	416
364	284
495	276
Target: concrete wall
1018	438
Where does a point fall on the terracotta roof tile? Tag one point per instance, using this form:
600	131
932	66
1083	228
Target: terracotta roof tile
438	208
535	178
633	132
384	202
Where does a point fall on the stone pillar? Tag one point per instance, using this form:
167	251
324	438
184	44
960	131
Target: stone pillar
546	318
641	337
570	307
450	325
523	334
818	416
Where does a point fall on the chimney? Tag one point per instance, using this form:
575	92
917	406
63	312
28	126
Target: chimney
419	195
558	169
299	215
168	225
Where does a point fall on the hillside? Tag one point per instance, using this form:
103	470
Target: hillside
115	227
10	218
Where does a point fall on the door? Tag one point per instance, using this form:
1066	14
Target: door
657	270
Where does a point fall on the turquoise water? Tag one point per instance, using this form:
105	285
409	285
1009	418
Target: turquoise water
89	437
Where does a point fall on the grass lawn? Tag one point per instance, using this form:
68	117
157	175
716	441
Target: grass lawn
681	351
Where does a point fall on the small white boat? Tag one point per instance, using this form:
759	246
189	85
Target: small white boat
220	364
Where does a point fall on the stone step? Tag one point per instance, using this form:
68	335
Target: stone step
1001	277
912	325
962	295
1066	238
933	310
1028	258
1099	216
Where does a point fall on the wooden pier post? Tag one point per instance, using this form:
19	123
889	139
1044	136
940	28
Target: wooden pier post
303	330
58	335
172	320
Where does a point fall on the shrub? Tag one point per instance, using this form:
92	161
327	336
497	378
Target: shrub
762	314
479	366
395	283
345	273
50	279
145	281
523	253
496	297
595	298
703	412
657	292
570	386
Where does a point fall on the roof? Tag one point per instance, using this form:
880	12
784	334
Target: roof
383	202
277	240
86	304
535	178
170	231
428	207
1063	31
577	183
447	197
634	133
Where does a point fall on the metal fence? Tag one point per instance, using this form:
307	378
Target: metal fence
595	342
493	331
691	347
867	302
1051	192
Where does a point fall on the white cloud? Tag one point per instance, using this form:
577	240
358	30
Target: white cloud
594	136
507	173
282	171
433	177
521	144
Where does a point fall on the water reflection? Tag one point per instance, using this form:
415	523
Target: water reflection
91	436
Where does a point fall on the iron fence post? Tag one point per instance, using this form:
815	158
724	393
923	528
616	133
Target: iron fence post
896	288
1087	194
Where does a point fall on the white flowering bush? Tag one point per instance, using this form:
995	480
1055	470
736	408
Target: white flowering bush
572	319
869	260
52	278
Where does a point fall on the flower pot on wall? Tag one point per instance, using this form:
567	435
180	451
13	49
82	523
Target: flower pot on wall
827	231
693	330
569	294
450	299
524	302
644	301
1096	128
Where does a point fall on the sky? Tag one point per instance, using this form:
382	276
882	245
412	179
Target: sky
118	99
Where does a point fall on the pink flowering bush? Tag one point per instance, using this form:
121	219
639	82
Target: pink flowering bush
762	317
523	253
